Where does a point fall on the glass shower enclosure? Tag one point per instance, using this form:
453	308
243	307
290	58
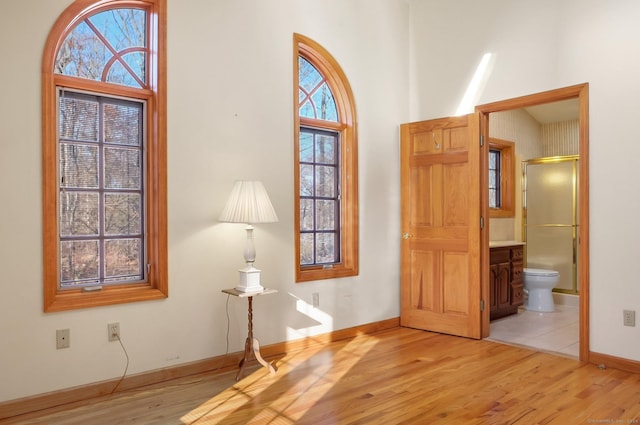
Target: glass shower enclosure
550	217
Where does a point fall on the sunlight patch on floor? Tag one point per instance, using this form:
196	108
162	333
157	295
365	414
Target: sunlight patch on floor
305	381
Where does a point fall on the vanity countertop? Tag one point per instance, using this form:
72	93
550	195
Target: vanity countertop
498	244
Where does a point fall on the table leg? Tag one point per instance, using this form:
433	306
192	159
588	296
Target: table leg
263	362
245	358
252	345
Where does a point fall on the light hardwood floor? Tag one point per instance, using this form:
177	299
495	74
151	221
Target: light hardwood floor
399	376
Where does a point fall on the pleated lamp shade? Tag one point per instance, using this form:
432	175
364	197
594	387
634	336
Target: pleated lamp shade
248	203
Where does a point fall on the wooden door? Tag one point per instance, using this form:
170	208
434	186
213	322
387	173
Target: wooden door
441	206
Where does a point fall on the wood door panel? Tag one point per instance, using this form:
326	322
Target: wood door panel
503	282
435	281
493	287
456	139
434	178
425	143
456	208
424	271
454	295
422	213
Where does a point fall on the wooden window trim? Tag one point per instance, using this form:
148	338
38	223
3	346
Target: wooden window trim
327	65
507	178
156	286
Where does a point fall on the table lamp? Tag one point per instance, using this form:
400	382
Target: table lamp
250	204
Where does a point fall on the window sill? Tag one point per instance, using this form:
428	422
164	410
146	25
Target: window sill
311	273
77	299
501	213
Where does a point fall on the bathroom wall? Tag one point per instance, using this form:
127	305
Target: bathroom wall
519	127
560	138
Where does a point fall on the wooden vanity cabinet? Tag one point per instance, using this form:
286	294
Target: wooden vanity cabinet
505	280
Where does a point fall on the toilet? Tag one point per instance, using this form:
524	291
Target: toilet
538	284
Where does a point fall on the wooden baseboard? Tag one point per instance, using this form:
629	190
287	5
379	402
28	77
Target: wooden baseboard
63	398
620	363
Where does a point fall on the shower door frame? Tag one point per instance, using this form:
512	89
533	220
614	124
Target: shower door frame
574	213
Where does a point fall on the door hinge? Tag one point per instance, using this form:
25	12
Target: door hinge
481	140
482	222
481	305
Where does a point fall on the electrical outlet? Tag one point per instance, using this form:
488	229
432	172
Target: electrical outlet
63	338
316	299
113	330
629	317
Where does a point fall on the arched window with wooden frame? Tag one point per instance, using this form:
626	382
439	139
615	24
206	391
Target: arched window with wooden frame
104	154
326	166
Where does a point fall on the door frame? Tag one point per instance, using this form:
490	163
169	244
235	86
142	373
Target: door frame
580	92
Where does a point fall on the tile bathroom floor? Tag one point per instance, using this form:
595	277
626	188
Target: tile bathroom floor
557	332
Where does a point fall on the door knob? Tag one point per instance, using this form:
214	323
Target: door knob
406	235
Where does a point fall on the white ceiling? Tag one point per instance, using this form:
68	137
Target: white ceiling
553	112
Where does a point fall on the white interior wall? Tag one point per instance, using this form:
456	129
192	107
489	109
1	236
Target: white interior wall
230	116
538	46
600	45
230	108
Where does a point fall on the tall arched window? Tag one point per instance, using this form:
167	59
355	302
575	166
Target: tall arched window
326	166
104	154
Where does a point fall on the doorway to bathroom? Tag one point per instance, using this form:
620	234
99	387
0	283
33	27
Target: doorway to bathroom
545	116
550	243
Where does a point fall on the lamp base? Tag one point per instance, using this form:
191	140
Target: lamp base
249	280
